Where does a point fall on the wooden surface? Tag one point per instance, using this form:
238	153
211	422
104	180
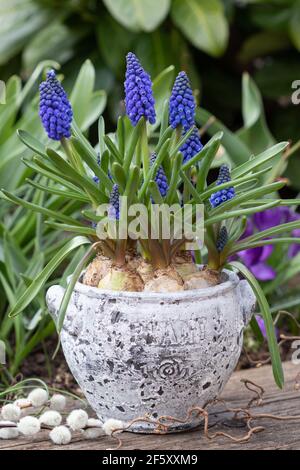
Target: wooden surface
277	434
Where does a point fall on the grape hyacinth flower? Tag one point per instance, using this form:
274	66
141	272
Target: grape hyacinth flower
182	103
114	203
224	195
192	146
55	109
160	178
139	98
222	239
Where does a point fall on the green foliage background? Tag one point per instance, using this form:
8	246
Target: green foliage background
214	40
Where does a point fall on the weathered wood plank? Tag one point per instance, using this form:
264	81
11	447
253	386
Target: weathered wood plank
277	434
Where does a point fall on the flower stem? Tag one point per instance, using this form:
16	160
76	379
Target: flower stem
145	149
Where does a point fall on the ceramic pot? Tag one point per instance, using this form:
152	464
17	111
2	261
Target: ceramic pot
154	354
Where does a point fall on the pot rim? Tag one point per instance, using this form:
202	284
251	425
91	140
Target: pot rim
231	283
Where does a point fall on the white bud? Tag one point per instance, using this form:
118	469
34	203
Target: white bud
111	425
29	426
77	419
9	433
22	403
51	418
11	412
38	397
60	435
58	402
94	423
92	433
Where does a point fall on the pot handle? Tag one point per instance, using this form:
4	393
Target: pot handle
247	299
53	299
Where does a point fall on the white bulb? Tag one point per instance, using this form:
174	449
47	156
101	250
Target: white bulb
11	412
38	397
77	419
111	425
58	402
29	426
51	418
60	435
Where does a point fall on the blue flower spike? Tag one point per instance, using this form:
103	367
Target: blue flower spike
192	146
160	178
224	195
114	203
139	98
55	109
222	239
182	103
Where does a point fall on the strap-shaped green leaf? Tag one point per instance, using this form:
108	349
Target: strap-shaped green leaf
266	313
40	280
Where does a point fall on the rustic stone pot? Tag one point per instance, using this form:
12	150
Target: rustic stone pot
153	353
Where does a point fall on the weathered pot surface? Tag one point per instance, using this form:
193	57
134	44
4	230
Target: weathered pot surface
137	354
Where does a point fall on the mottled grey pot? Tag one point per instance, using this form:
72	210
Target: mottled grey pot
157	354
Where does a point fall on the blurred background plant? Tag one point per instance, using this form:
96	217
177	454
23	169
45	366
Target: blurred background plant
215	41
26	244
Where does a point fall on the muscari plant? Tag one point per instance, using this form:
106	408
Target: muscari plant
148	164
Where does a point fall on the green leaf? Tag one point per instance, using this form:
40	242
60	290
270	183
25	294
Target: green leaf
82	92
203	22
20	20
294	26
252	194
47	43
255	133
68	292
237	151
259	160
40	280
32	143
266	313
278	229
256	330
162	86
41	210
96	105
206	164
138	15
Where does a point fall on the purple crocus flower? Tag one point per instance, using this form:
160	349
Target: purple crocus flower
263	329
255	259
